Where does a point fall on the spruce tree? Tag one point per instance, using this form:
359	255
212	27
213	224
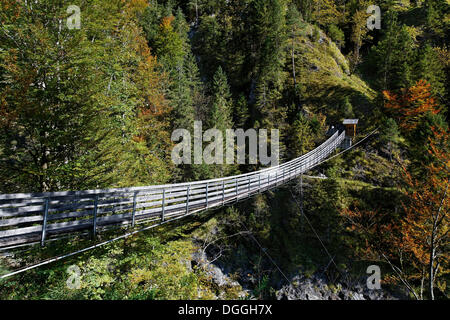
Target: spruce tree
241	114
430	68
390	136
221	105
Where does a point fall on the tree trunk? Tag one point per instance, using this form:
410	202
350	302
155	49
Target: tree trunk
293	64
421	283
430	271
196	13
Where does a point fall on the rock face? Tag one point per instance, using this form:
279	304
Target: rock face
217	275
316	288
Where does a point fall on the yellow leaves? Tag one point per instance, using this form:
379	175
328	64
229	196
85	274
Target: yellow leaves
326	12
414	32
443	55
135	7
138	276
439	148
427	202
167	271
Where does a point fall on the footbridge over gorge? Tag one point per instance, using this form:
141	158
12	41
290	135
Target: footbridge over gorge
27	218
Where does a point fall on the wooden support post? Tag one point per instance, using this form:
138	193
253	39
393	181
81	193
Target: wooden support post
259	183
163	205
44	223
94	222
249	186
133	218
236	190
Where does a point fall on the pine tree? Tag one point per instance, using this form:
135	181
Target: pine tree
221	105
169	45
271	32
359	33
347	108
220	118
392	59
301	137
390	136
325	12
429	68
294	27
337	35
241	114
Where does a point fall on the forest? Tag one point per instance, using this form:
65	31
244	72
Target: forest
93	106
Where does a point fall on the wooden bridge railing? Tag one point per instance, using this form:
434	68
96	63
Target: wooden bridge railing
33	217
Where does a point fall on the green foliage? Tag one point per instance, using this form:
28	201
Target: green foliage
221	108
262	288
435	10
169	45
302	137
337	35
347	108
142	268
393	56
241	112
389	136
419	143
68	120
429	68
389	132
325	204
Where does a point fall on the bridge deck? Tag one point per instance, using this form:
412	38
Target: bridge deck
33	217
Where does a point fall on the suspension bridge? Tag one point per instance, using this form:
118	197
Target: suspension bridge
27	218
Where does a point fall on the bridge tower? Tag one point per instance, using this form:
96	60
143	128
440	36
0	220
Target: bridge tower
350	132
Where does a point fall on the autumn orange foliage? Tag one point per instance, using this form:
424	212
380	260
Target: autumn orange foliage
412	104
415	241
166	23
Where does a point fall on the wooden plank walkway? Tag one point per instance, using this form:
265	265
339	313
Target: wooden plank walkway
36	217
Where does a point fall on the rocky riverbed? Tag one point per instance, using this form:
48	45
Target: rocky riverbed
318	288
301	287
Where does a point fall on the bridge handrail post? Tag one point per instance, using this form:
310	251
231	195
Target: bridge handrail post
236	180
207	190
259	183
94	222
44	223
187	198
223	192
163	205
133	215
